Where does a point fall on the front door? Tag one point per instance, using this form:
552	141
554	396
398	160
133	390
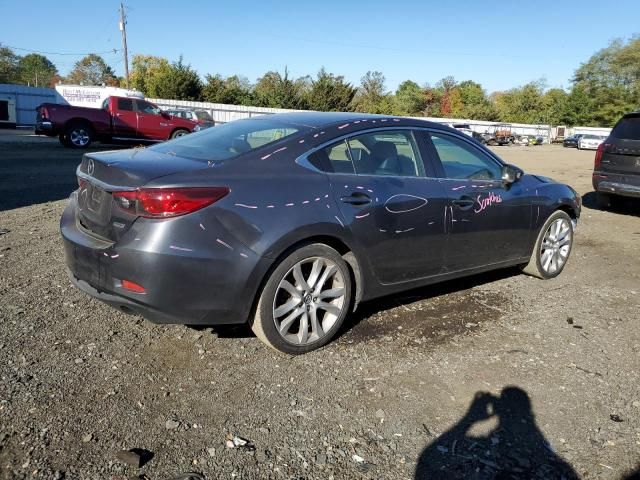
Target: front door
392	208
488	222
152	125
125	120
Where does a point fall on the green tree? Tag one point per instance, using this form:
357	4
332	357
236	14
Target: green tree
611	78
329	93
8	65
409	99
145	72
279	91
35	70
522	104
555	105
232	90
474	103
178	82
372	96
92	70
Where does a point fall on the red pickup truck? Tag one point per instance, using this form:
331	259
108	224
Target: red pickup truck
120	120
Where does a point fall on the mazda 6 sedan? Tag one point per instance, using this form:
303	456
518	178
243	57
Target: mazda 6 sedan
289	221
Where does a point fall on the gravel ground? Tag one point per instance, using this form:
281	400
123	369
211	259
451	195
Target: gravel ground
495	376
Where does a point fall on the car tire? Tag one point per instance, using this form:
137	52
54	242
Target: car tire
552	248
63	140
292	315
181	132
78	135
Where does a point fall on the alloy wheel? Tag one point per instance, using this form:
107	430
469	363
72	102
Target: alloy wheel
309	301
79	137
556	246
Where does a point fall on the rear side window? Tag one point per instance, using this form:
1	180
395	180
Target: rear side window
228	140
125	104
386	153
334	158
627	128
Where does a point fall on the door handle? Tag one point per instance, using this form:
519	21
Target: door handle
464	203
357	199
118	114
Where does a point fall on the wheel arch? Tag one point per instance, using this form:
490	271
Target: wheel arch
78	121
338	244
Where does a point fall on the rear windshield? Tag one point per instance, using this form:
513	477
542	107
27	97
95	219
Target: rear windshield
590	137
228	140
627	128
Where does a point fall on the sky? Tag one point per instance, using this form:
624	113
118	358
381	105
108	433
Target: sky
422	41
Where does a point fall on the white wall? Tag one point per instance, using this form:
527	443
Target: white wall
27	99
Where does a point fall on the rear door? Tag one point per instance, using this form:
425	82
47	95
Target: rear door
125	121
488	222
621	151
390	202
152	124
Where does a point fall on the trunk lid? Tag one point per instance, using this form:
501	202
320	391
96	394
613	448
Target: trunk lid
100	174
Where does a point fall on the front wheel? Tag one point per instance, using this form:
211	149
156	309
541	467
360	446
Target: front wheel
304	301
552	248
179	133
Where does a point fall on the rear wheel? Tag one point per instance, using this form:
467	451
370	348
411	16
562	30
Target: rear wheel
552	248
179	133
78	135
304	301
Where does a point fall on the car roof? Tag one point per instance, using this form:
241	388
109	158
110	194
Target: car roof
324	119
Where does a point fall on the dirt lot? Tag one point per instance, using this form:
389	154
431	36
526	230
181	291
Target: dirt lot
496	376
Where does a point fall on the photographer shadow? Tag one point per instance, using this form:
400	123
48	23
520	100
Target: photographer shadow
514	449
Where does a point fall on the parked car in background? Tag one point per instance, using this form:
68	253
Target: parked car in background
572	141
463	127
288	221
616	170
201	116
120	120
590	142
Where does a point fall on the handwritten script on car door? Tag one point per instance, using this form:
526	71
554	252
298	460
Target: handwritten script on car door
486	202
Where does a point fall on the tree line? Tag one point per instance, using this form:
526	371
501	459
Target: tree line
603	88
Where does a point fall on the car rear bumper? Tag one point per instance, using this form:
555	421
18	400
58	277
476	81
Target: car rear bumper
623	185
181	286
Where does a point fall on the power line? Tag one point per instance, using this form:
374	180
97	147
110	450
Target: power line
113	50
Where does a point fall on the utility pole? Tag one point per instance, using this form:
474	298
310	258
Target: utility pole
123	29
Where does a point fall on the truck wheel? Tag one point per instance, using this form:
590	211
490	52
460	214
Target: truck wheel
79	135
179	133
63	140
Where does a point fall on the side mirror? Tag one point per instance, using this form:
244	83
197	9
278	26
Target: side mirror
511	174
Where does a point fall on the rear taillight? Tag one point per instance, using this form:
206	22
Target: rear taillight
44	113
167	202
598	158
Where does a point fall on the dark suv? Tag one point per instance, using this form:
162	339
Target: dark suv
616	169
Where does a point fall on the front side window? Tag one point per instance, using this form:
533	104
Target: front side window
146	107
228	140
461	160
